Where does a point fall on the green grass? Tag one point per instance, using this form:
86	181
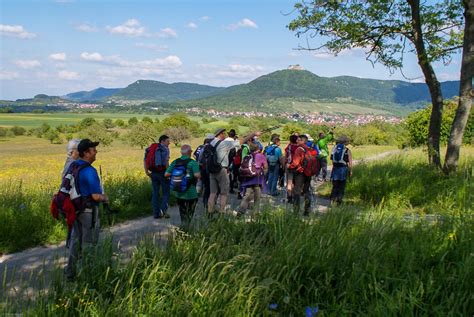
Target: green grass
349	262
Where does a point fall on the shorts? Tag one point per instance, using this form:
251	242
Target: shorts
219	182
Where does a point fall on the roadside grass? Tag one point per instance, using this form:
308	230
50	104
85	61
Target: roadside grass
406	181
347	262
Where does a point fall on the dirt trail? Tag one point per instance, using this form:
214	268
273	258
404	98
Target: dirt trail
24	273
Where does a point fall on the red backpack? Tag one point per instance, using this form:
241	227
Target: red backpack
237	159
150	160
310	163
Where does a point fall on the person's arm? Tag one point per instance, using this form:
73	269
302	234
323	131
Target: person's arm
169	169
93	181
195	171
147	171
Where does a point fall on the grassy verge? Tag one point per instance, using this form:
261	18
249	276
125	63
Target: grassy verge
348	262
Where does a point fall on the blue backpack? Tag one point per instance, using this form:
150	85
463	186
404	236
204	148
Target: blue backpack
338	152
179	180
270	154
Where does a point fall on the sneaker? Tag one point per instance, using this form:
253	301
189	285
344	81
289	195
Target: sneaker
157	216
166	215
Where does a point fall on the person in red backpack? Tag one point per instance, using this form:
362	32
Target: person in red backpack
156	161
289	173
302	180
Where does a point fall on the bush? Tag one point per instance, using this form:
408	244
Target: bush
16	130
3	132
97	132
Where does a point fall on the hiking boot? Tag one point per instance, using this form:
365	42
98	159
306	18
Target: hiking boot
166	215
157	216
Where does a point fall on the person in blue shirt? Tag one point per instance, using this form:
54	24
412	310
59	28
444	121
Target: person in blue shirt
275	161
85	231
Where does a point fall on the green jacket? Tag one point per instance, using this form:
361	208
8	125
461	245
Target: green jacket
323	145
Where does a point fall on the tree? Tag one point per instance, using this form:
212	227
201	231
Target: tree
17	130
465	91
53	136
108	123
179	120
147	120
177	134
87	122
120	123
97	132
132	121
387	30
141	134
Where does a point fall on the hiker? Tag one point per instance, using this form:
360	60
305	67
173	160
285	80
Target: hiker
156	162
205	181
184	173
341	158
275	160
305	165
289	172
216	158
233	171
72	154
311	148
85	230
252	170
322	146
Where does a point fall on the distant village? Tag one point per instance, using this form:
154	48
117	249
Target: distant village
313	118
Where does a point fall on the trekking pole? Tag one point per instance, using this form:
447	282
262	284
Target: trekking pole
108	211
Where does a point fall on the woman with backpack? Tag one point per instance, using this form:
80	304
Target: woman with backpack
341	158
184	174
252	170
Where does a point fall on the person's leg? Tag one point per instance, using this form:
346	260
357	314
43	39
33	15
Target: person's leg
289	185
74	249
256	198
272	179
207	188
324	167
342	189
334	191
307	194
223	181
214	187
244	204
155	198
298	187
165	189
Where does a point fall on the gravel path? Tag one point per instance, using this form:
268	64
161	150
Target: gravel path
24	273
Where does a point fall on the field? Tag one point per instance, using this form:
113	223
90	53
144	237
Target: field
32	120
379	256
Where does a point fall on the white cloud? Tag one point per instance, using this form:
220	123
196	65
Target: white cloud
131	27
244	23
15	31
6	75
27	64
321	55
167	33
204	18
192	25
232	70
94	57
68	75
86	27
153	47
61	57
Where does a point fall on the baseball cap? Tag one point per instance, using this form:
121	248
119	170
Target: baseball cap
86	144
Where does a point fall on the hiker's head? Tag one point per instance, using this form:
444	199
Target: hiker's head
304	137
220	134
253	147
72	151
321	135
293	138
343	139
231	133
209	138
87	150
186	150
276	140
164	140
300	140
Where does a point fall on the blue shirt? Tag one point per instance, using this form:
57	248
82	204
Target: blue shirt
89	182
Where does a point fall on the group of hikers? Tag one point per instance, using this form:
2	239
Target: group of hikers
222	165
225	165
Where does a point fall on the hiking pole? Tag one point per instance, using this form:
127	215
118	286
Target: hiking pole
109	211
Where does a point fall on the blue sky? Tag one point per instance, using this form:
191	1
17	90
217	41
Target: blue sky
61	46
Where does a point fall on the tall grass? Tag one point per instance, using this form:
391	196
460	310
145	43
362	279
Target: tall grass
348	262
406	181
